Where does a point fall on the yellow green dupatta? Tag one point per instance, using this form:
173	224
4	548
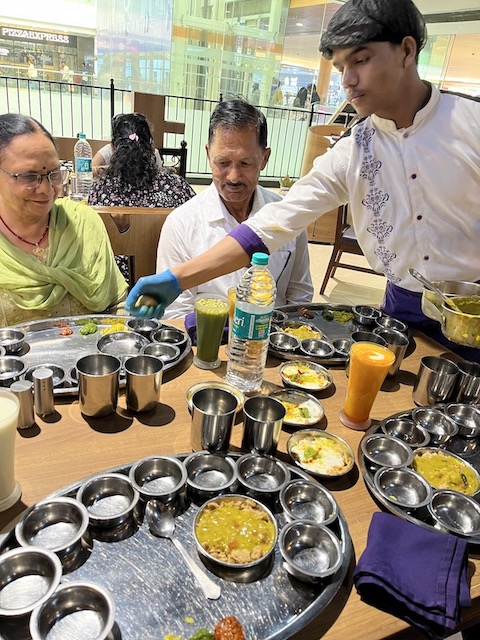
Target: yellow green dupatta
80	261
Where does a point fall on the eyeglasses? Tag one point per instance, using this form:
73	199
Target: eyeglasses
34	180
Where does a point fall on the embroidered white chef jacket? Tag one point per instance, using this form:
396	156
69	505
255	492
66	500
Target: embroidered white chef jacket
201	222
413	193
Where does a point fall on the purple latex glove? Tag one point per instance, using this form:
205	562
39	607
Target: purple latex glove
163	287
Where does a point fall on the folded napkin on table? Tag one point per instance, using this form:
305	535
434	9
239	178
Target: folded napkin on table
191	329
416	574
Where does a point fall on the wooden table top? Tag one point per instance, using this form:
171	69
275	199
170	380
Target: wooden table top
66	447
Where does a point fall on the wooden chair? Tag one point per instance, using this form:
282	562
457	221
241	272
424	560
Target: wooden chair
65	146
134	232
345	242
178	158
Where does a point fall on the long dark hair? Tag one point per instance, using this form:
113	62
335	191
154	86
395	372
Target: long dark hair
133	159
15	124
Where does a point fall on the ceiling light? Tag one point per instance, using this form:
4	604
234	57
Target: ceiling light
299	24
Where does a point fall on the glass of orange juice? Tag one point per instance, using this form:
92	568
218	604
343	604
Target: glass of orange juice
369	365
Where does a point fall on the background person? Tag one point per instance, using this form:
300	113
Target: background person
410	172
132	178
237	152
255	97
55	256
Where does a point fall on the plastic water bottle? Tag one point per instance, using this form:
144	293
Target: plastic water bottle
254	304
82	153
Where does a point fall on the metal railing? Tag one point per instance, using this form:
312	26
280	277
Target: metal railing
65	109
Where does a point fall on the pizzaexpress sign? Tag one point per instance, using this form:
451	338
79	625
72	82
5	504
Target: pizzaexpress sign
16	33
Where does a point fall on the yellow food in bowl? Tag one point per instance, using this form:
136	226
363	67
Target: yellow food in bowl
303	332
322	455
304	376
443	471
235	530
304	413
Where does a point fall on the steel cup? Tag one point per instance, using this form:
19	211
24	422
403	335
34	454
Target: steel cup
398	343
435	381
262	424
213	413
98	384
467	390
144	379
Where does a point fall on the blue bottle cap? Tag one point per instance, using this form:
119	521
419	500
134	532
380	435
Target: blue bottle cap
260	258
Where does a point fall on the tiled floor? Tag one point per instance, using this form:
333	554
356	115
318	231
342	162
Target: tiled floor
347	287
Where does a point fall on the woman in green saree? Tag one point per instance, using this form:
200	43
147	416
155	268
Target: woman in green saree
55	255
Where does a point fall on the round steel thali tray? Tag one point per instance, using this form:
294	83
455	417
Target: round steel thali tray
44	344
156	595
468	450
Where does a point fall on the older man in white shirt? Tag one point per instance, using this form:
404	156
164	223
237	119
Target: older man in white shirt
237	152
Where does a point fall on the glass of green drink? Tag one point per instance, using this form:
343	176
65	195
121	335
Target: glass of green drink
211	312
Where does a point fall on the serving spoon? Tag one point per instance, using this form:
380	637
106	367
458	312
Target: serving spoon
162	523
429	285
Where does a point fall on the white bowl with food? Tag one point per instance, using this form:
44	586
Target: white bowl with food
321	453
307	376
301	408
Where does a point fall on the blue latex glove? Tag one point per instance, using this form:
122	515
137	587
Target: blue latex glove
164	287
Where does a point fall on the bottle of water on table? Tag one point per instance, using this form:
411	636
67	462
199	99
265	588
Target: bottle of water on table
83	166
248	348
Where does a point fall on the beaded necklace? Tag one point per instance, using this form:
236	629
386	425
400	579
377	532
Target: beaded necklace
39	252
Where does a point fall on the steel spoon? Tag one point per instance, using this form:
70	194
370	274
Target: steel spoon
162	523
429	285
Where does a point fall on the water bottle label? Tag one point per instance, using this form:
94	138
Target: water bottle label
251	326
83	165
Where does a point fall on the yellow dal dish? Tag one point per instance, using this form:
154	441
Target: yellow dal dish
235	530
302	332
443	471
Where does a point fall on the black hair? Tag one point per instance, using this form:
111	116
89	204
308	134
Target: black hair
133	159
360	21
16	124
238	114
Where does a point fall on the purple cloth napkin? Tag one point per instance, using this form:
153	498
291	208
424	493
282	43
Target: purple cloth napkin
191	329
416	574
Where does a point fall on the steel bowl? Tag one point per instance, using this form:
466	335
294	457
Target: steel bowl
281	341
455	512
381	450
110	499
387	322
144	326
407	430
317	348
311	552
160	478
163	350
121	343
237	566
262	477
365	315
209	475
342	346
59	373
28	577
455	473
171	335
362	335
462	327
93	603
57	524
432	303
320	440
466	417
440	427
322	383
12	340
306	500
11	369
278	316
402	487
